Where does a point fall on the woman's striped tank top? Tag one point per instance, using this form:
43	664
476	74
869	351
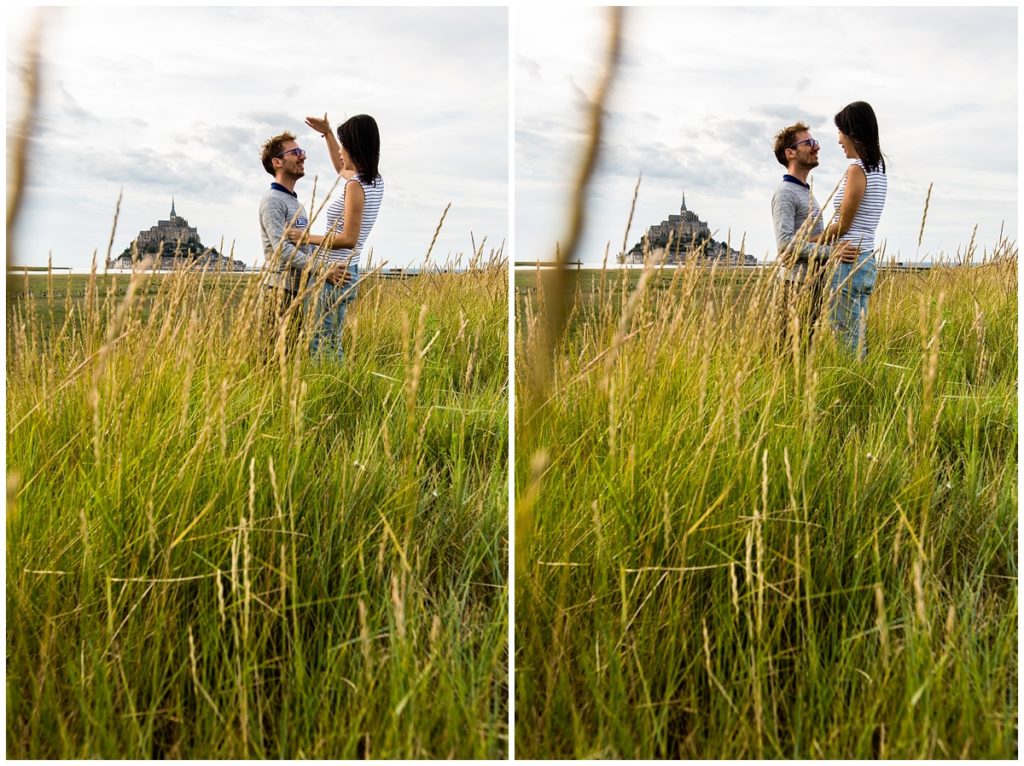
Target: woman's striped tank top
865	222
373	194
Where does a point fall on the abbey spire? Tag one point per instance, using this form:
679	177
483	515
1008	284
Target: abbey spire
680	237
170	244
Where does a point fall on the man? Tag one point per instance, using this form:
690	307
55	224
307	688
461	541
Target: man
279	209
797	219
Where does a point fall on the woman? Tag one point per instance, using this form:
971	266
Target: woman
355	155
859	203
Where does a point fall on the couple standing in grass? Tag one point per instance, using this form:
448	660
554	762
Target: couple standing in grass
844	249
323	269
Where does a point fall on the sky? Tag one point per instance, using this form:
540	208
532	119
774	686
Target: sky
701	92
174	103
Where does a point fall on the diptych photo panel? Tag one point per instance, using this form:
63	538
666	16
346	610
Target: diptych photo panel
765	383
257	383
511	383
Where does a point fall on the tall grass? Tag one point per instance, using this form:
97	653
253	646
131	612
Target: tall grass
734	546
218	547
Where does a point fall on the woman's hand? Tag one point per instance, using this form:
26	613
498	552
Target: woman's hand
844	251
338	275
319	124
293	234
323	127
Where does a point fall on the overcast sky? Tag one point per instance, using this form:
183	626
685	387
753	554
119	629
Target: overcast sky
175	102
702	91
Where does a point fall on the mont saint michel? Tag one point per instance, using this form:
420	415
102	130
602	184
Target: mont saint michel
175	244
680	236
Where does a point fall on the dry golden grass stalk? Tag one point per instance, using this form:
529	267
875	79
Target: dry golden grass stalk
554	285
924	216
18	153
426	258
629	221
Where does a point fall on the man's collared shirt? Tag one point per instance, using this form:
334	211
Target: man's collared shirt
278	187
785	177
792	205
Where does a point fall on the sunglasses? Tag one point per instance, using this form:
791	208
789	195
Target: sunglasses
812	143
299	153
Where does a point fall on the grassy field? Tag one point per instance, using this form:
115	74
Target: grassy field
733	546
219	548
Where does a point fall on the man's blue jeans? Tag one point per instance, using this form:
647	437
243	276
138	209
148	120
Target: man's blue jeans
852	284
332	301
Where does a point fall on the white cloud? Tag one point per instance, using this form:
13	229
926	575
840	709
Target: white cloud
701	92
175	102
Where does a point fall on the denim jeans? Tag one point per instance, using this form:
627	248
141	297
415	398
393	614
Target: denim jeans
852	284
332	302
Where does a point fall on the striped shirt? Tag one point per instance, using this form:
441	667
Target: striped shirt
373	195
865	222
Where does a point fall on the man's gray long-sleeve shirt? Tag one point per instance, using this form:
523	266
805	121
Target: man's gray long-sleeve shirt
280	209
792	205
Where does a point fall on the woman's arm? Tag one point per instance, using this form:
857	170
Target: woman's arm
348	235
355	199
323	127
856	185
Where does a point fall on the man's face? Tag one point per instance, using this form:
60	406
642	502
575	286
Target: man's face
291	160
804	151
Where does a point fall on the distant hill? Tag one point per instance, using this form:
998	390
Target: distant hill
681	236
178	245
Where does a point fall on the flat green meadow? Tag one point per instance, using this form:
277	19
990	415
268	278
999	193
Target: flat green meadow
733	543
218	547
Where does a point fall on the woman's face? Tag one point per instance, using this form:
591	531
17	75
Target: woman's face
847	143
346	159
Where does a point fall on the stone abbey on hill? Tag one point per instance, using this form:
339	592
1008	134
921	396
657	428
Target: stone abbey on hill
176	244
680	236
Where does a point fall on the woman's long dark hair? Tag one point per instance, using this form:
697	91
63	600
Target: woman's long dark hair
857	120
361	139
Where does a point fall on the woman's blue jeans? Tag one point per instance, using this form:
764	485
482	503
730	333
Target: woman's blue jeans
332	301
852	284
